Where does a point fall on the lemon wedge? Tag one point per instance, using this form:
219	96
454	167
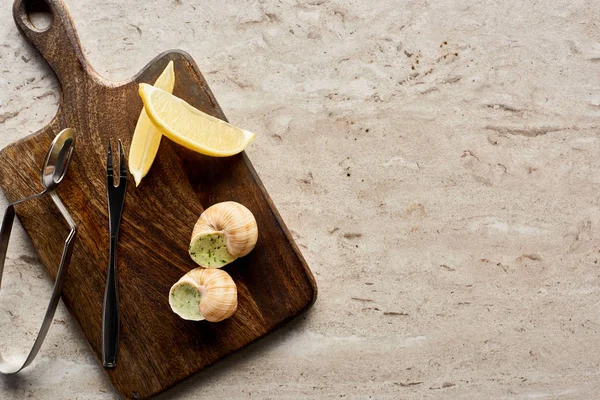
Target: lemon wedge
146	138
190	127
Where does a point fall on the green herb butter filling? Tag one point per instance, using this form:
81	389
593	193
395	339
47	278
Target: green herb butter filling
209	251
185	300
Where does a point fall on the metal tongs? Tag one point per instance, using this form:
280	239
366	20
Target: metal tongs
54	170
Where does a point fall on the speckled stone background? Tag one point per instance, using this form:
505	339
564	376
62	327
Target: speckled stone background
438	163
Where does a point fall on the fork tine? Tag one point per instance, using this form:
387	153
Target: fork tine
122	166
110	178
109	160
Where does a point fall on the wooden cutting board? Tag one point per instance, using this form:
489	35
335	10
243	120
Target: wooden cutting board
157	348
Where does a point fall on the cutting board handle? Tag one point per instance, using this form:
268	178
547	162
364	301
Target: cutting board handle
58	43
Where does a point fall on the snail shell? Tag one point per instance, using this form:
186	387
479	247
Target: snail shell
224	232
200	294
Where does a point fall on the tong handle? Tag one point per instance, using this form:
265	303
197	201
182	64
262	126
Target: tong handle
5	231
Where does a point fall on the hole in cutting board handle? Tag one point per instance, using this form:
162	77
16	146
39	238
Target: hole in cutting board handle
39	15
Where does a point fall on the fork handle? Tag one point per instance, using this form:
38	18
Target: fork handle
110	317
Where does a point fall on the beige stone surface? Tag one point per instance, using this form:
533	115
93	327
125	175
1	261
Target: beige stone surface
437	162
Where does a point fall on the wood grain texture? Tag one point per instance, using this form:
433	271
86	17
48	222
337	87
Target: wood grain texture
157	348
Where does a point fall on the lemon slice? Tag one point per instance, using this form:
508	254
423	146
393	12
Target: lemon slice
190	127
146	138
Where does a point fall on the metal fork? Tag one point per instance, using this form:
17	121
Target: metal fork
110	316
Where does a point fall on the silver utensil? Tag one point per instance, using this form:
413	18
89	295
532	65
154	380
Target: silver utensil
110	316
54	170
